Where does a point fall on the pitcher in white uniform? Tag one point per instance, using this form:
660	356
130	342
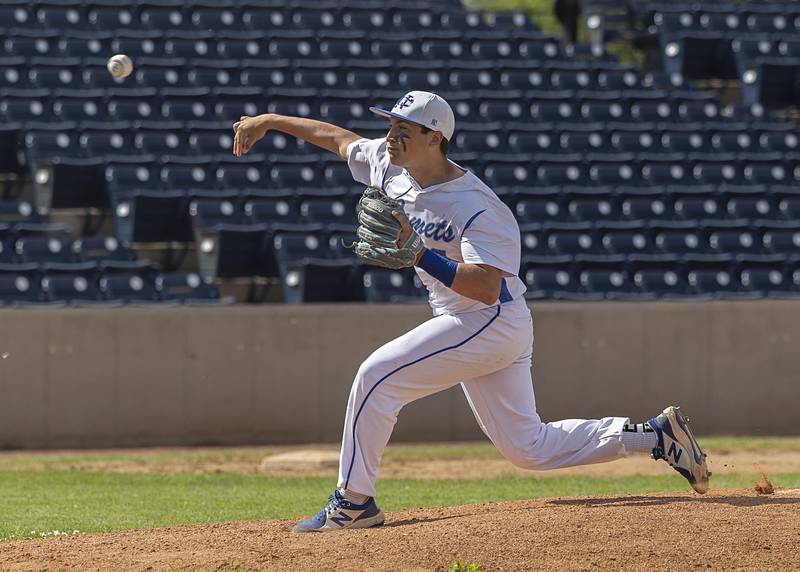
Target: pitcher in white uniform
481	335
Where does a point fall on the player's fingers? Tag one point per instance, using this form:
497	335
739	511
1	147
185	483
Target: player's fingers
236	144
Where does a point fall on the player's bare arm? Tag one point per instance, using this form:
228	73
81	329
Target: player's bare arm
249	130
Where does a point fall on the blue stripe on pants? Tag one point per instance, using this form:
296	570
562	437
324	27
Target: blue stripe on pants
385	377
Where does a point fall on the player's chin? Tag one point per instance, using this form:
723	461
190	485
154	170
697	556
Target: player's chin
395	157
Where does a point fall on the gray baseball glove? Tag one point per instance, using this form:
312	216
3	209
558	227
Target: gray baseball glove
385	237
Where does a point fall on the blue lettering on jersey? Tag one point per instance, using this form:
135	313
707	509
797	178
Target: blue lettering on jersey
441	230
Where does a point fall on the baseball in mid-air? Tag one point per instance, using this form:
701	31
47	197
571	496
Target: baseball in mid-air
120	66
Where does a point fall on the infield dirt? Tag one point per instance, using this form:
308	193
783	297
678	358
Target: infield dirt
722	530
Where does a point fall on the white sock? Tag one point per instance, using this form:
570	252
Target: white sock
355	498
639	438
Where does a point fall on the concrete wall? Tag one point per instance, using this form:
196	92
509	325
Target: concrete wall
281	374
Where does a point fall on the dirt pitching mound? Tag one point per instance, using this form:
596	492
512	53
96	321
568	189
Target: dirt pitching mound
721	530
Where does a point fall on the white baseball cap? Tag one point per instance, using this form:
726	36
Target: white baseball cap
423	108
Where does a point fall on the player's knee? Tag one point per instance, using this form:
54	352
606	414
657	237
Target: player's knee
525	457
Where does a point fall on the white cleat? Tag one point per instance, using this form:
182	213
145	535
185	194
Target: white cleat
678	447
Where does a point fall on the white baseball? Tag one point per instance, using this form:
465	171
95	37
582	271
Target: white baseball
120	66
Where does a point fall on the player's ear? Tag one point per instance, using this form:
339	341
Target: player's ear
435	139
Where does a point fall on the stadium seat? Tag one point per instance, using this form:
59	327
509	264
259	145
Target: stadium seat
271	210
573	239
549	277
101	248
74	289
679	237
188	288
392	286
129	287
232	251
153	216
44	249
206	213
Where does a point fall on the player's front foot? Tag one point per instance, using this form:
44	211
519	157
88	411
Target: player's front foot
678	447
339	513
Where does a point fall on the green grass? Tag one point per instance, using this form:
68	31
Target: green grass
35	502
22	460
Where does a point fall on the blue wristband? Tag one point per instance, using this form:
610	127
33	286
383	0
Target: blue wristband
441	268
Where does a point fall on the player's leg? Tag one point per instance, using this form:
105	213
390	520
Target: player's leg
504	405
430	358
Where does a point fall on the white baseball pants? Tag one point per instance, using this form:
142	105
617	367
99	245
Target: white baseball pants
489	353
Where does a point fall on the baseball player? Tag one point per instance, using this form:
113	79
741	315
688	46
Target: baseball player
423	210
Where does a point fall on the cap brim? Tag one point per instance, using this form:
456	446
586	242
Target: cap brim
387	114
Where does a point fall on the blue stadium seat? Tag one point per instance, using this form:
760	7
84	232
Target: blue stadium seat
574	239
188	288
271	210
734	238
505	111
39	249
592	204
111	16
782	237
138	44
370	79
161	72
81	106
293	48
411	79
396	47
207	213
323	76
478	142
685	141
541	49
577	79
32	44
240	45
129	287
627	238
549	277
679	237
616	170
74	289
451	48
472	79
42	146
343	46
192	45
750	203
608	278
723	170
155	141
665	173
97	248
153	216
260	18
463	21
508	175
186	177
164	18
112	142
17	15
534	240
584	141
300	245
366	19
233	251
293	176
713	275
391	286
783	142
635	141
555	111
320	280
216	19
26	107
533	141
241	178
70	182
188	108
561	173
20	287
134	105
661	275
14	212
328	211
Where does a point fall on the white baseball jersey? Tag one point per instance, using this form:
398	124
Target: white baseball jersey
461	219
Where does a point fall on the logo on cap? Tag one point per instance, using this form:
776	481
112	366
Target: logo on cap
404	101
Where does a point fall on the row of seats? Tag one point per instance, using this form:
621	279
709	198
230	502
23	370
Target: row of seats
528	110
411	17
26	284
439	45
659	277
614	169
543	139
729	17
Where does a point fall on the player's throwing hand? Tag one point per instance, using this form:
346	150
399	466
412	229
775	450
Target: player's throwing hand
248	130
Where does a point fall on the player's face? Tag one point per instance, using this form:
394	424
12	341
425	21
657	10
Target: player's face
405	142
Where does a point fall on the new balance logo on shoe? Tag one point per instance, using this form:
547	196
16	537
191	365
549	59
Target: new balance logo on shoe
675	452
341	518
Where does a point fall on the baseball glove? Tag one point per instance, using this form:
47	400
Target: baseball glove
379	232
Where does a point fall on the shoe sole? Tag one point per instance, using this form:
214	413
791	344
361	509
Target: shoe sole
700	473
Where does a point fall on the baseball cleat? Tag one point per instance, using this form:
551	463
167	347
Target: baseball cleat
678	447
340	513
